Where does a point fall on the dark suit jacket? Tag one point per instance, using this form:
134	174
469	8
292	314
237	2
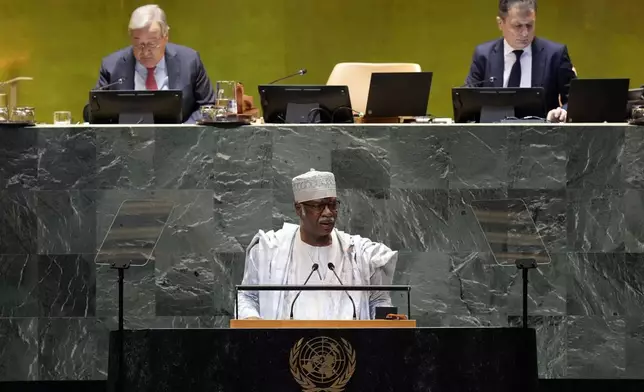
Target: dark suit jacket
185	70
551	69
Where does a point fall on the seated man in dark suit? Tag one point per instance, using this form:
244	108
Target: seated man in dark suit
520	59
152	63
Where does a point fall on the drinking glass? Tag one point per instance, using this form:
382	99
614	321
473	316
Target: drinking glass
62	118
225	99
208	113
26	114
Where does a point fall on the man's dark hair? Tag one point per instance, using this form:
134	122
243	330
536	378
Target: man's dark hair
506	5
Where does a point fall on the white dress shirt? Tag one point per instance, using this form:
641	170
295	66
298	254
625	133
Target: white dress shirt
526	64
160	74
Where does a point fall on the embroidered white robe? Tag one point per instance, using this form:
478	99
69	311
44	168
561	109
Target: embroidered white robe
280	257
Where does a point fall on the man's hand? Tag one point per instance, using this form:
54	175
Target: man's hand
557	115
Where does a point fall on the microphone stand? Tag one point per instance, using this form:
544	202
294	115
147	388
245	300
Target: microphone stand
490	80
332	268
107	86
300	72
314	268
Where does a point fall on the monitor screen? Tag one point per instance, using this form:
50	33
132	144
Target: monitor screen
305	104
135	107
393	94
494	104
598	100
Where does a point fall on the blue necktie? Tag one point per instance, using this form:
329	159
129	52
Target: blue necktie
515	73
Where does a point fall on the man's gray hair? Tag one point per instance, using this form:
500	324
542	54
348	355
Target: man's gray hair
145	15
506	5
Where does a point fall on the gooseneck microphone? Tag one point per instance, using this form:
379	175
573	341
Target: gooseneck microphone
314	268
490	80
118	81
332	268
300	72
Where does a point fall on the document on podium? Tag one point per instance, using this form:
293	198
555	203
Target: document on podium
510	231
134	233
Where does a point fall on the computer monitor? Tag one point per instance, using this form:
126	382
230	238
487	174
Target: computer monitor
302	104
398	94
493	104
597	100
135	107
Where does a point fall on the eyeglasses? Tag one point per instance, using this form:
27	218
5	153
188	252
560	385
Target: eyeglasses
148	46
319	207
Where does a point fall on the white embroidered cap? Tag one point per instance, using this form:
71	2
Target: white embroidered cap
313	185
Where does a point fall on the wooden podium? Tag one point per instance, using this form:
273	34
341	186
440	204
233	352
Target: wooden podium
321	324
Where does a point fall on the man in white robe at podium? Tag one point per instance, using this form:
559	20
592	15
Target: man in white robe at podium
287	256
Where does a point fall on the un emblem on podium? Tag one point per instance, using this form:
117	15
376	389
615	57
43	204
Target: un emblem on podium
322	364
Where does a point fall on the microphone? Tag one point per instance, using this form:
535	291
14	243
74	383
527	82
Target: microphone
332	268
314	268
490	80
300	72
118	81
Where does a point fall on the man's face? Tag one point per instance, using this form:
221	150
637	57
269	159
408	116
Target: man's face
318	216
148	44
518	26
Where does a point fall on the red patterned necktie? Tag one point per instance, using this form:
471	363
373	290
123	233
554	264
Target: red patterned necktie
150	81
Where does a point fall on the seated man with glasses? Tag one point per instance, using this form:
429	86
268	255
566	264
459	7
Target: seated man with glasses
152	63
289	256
